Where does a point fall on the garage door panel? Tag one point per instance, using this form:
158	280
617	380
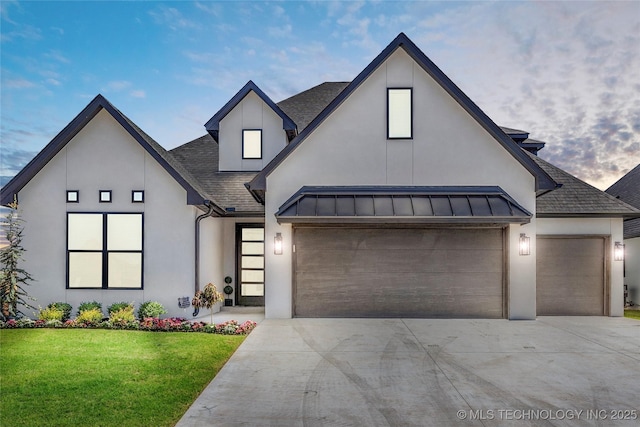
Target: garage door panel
570	276
370	273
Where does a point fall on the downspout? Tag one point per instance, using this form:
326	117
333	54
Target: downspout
209	206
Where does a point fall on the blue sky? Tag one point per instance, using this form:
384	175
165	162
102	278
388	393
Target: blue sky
568	72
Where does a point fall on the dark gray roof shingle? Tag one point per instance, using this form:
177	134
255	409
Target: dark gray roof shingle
200	158
627	189
305	106
576	198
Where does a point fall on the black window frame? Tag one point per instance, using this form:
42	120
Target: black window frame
410	89
133	199
105	252
77	193
110	192
243	145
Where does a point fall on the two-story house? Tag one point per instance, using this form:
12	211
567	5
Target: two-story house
392	195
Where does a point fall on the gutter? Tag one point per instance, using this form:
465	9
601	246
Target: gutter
210	208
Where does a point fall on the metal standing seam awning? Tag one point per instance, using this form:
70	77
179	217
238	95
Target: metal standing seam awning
386	204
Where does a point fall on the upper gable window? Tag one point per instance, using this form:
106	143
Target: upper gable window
252	144
399	113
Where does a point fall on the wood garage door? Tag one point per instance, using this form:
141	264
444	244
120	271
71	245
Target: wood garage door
570	276
346	272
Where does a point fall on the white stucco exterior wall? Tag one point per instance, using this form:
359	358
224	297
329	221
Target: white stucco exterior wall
350	148
250	113
632	268
611	227
103	156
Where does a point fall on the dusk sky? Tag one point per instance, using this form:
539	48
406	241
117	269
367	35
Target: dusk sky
567	72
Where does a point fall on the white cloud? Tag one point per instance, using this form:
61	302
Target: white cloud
57	56
211	8
280	32
117	85
17	83
138	93
173	18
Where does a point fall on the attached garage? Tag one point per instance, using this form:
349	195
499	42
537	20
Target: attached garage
400	251
405	272
571	276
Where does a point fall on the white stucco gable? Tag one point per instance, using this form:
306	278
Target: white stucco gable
250	130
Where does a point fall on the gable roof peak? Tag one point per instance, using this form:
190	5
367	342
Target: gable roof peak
195	194
213	125
543	181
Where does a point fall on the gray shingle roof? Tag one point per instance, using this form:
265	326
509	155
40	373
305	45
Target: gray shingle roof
576	198
200	158
627	189
305	106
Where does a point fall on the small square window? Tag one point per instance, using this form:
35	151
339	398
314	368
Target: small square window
137	196
73	196
252	144
105	196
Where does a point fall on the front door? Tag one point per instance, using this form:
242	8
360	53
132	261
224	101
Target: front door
250	264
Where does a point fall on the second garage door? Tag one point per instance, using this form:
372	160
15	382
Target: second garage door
346	272
570	276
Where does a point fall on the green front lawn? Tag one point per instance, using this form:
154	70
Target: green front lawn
632	314
79	377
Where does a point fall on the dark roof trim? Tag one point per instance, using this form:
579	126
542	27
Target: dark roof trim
516	134
625	215
213	125
424	205
543	180
194	197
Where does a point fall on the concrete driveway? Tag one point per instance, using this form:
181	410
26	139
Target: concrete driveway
555	371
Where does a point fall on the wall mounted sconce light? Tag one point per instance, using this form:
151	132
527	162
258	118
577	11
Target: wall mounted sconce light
618	251
524	247
277	244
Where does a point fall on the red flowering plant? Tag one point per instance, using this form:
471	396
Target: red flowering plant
232	327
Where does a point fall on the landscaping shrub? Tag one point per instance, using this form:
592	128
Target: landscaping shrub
91	316
85	306
50	313
123	318
66	309
117	306
150	309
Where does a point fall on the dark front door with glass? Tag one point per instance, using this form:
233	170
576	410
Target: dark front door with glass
250	264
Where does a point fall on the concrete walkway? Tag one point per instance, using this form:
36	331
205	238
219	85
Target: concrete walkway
555	371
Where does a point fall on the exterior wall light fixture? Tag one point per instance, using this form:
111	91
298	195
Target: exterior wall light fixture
524	247
618	251
277	244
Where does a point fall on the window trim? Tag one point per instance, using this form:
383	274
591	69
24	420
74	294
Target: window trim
410	89
243	145
77	193
101	192
133	198
105	252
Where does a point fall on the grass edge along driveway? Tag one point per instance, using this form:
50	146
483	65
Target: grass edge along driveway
78	377
632	314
